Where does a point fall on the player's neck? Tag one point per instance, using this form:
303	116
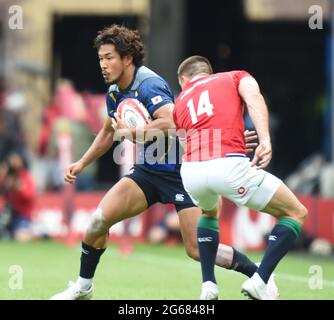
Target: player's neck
198	76
127	77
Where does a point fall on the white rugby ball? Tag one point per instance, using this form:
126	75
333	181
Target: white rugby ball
133	113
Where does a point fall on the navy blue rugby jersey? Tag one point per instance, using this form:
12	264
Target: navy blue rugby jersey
153	92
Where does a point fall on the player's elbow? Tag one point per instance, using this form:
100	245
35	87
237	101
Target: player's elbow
106	134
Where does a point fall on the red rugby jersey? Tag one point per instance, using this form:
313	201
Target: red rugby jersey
211	111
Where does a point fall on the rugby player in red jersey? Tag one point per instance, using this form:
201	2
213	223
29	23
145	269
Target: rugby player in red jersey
211	109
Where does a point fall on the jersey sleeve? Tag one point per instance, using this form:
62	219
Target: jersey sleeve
154	93
111	106
238	75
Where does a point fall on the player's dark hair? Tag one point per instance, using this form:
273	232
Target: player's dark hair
127	42
193	66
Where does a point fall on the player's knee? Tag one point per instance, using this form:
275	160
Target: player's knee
98	223
299	214
210	214
302	214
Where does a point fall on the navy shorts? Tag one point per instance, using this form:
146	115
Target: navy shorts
159	186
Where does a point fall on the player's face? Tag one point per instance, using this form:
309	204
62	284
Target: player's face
111	63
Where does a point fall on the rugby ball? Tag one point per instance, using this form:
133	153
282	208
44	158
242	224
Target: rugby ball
133	113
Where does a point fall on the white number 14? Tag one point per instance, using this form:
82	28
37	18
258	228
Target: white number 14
204	106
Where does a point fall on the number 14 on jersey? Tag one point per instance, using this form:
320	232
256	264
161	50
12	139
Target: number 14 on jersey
204	106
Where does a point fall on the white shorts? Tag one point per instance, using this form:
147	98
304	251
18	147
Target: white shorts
232	178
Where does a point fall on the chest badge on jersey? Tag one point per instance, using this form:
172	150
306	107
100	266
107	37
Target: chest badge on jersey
156	99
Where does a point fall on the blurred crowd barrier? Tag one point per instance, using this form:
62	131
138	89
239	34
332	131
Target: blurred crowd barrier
247	229
58	218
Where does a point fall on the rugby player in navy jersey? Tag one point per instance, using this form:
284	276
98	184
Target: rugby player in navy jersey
121	54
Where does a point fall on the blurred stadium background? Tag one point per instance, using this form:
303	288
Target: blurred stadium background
52	103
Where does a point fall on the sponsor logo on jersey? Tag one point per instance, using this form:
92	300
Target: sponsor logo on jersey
156	99
205	239
272	238
179	197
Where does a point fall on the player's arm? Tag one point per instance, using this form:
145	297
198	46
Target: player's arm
163	121
158	99
250	92
101	144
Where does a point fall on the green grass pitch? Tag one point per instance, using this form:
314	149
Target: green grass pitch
150	272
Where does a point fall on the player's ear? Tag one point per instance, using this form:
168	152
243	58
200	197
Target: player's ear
183	80
127	60
179	79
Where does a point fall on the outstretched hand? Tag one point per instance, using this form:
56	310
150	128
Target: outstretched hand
72	171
